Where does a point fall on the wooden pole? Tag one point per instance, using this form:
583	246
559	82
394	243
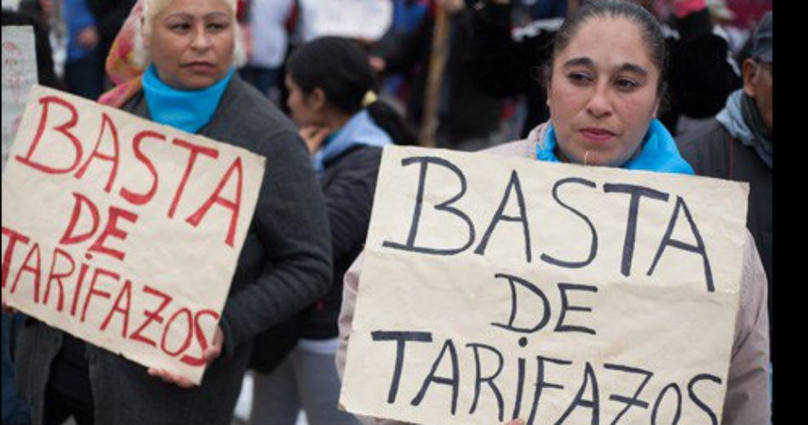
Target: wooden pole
437	63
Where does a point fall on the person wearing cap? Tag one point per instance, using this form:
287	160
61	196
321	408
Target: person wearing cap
723	18
174	63
737	143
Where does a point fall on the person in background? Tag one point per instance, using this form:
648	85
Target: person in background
41	10
468	117
83	70
737	143
267	23
109	17
180	57
330	87
723	17
407	14
504	62
603	113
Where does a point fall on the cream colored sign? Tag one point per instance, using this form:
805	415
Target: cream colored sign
497	287
123	232
368	19
19	75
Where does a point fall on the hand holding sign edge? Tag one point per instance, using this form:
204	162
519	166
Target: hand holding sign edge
211	353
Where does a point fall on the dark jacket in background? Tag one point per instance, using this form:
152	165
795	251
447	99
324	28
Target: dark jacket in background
284	266
713	152
699	74
348	185
466	111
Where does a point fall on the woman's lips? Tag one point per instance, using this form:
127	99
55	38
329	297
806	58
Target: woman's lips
597	134
200	67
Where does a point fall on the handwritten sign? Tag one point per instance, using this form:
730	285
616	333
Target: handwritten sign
497	287
123	232
11	5
368	19
19	75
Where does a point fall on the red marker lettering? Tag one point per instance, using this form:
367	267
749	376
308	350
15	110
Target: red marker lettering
57	276
93	291
46	103
36	270
194	151
112	230
77	291
233	206
142	199
106	121
69	238
126	290
151	316
203	343
13	238
188	334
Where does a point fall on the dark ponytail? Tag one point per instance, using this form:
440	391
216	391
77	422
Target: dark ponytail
392	123
340	68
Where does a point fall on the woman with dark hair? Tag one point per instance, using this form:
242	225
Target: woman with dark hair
330	98
604	88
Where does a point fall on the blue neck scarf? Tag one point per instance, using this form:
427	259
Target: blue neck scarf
659	151
359	130
743	121
187	110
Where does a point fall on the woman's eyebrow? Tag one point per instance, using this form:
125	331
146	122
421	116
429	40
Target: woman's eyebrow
216	15
630	67
584	61
185	15
179	15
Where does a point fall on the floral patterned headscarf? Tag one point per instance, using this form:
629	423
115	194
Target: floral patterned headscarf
122	67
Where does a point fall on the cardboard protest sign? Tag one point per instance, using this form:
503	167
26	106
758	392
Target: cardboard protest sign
496	287
19	75
123	232
367	19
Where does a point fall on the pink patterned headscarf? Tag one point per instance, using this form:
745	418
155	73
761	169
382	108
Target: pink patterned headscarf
122	66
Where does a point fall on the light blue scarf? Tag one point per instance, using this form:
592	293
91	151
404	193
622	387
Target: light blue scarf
359	130
659	151
742	120
187	110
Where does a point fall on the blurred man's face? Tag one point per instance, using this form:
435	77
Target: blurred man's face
757	83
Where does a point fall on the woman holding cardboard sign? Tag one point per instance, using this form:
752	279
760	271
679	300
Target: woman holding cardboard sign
604	89
185	53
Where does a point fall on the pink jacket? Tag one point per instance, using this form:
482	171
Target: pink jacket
747	402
